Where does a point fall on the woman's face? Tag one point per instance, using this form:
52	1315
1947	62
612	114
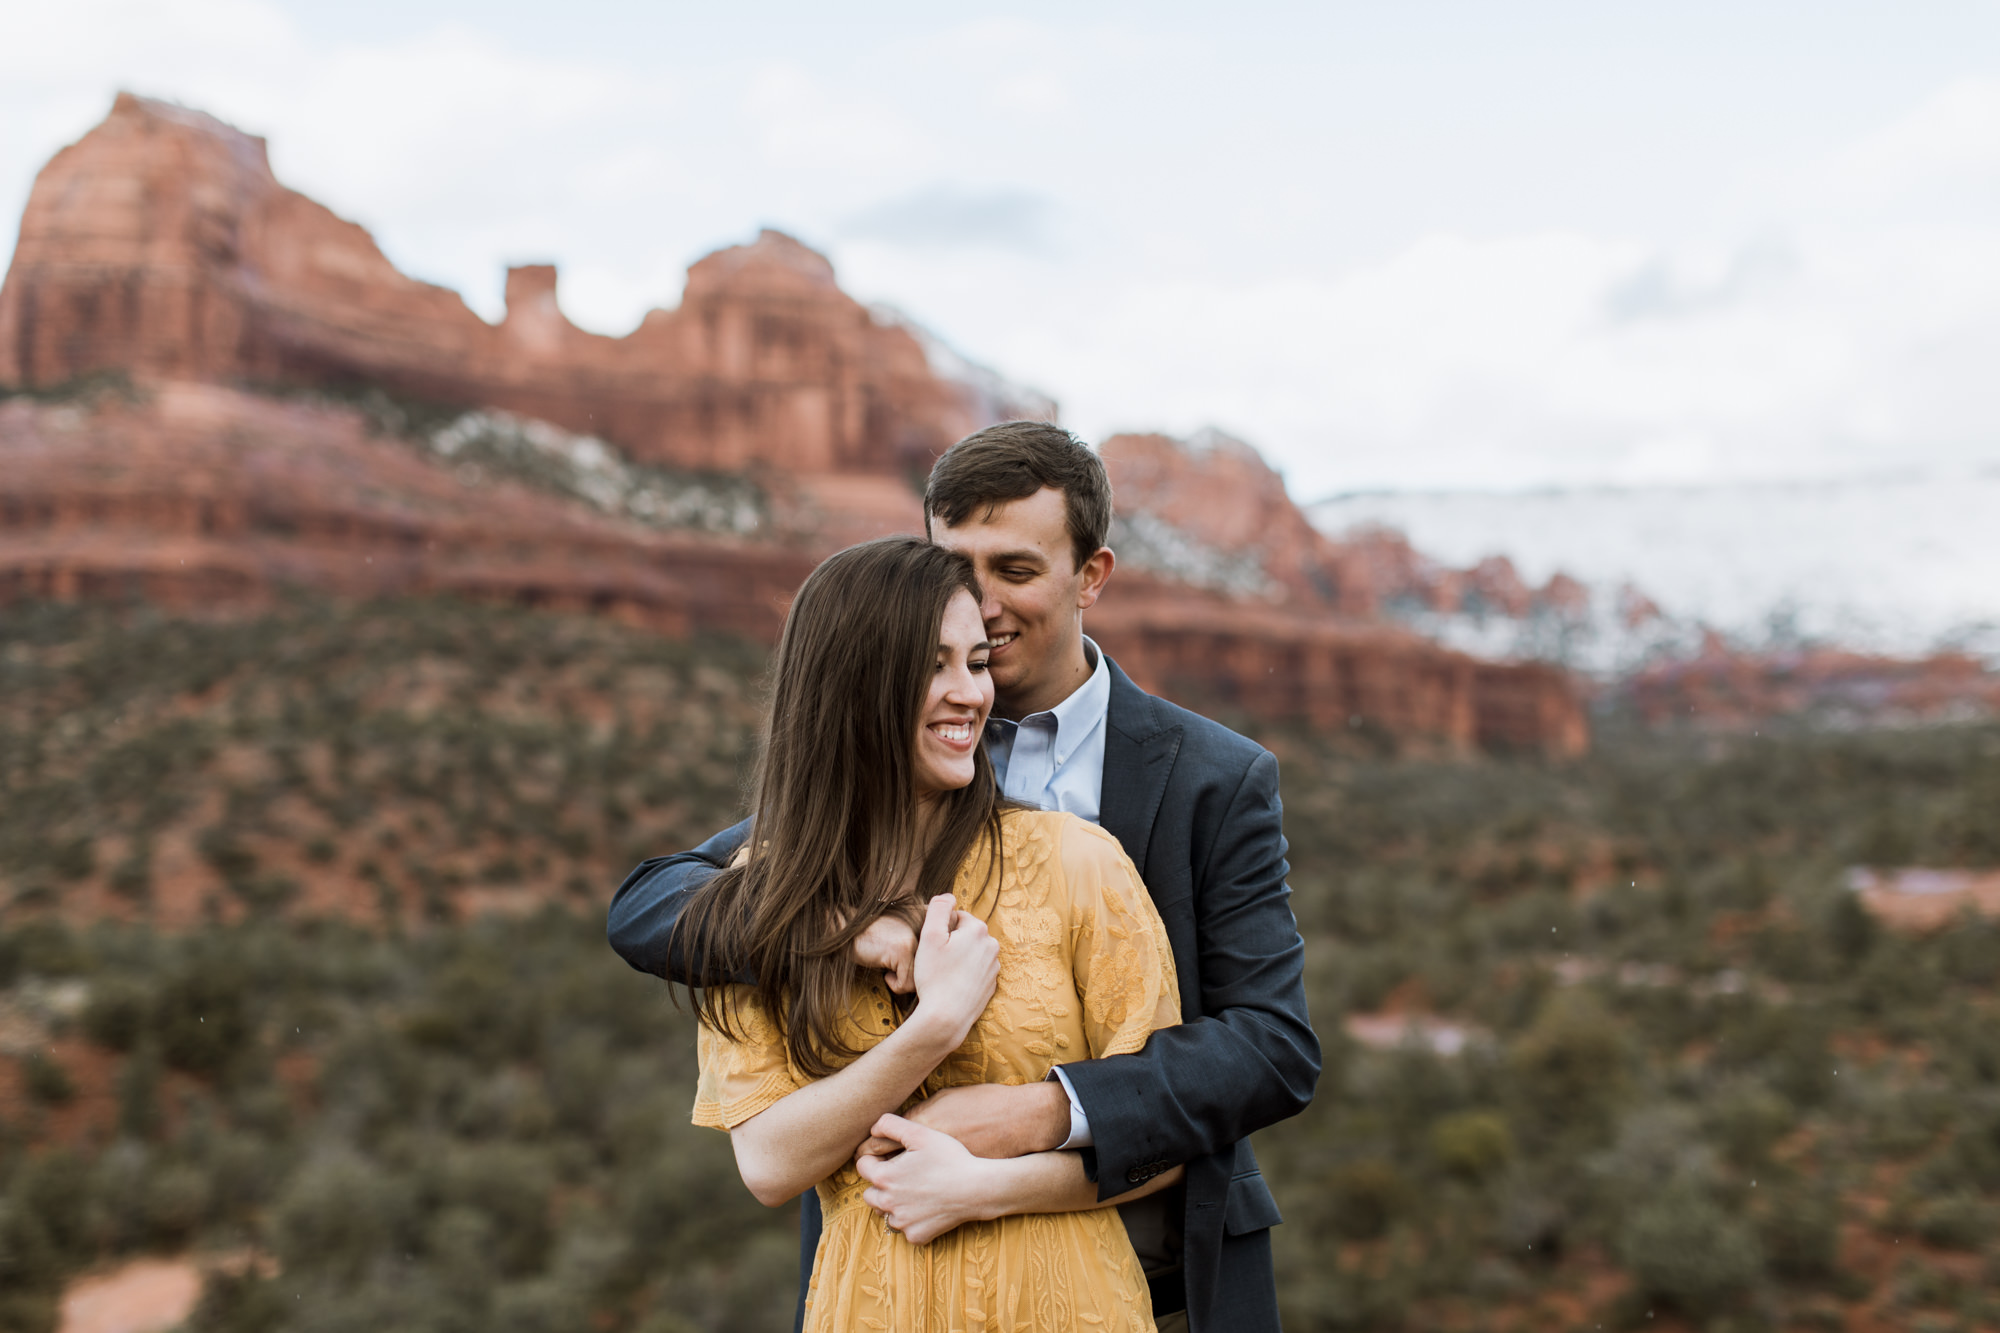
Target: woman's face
954	716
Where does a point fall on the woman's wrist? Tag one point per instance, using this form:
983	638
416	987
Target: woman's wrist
934	1033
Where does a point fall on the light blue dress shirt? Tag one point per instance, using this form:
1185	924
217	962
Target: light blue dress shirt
1055	760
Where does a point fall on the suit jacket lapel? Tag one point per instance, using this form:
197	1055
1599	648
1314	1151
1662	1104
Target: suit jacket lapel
1138	757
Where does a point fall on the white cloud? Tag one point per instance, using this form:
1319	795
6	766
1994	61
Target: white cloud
1154	227
1953	136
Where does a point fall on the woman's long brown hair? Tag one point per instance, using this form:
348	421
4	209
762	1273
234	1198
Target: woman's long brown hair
836	833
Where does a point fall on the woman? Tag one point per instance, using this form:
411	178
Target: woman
1038	944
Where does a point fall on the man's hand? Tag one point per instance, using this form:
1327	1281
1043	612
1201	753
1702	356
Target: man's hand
992	1119
928	1188
889	944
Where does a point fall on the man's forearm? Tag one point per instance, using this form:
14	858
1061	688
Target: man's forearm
936	1185
643	911
1053	1182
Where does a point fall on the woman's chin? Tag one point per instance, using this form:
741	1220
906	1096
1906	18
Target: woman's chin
938	784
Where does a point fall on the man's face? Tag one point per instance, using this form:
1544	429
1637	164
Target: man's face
1035	596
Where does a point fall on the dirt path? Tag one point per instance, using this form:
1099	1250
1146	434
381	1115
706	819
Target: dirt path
145	1296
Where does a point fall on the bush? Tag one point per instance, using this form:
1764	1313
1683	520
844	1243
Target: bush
336	1215
177	1202
1572	1065
115	1016
1800	1230
46	1079
238	1302
203	1016
1365	1197
1955	1222
1473	1145
1684	1249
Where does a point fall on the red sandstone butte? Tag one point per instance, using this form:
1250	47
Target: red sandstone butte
161	246
197	495
1729	690
1309	644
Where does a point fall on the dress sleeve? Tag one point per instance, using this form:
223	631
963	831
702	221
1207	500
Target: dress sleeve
743	1075
1123	965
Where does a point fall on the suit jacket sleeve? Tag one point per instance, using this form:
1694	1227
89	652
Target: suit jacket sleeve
1250	1059
647	904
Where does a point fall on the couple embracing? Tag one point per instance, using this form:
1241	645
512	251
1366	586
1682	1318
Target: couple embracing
1002	968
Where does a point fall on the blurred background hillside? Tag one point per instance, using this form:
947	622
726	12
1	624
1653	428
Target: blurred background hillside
1556	435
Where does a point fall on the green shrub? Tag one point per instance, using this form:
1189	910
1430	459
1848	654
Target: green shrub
1799	1226
23	1311
1572	1066
138	1091
1955	1222
115	1015
46	947
242	1301
1365	1197
1748	1121
1681	1247
203	1016
47	1081
177	1201
337	1214
1472	1145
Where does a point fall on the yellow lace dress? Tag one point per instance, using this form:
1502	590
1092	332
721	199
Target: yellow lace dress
1085	971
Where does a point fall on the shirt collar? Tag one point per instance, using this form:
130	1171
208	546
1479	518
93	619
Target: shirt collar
1077	716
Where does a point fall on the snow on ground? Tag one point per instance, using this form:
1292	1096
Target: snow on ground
1900	565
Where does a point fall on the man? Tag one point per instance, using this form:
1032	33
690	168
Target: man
1196	807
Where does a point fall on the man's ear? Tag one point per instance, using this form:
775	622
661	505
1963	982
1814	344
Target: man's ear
1096	573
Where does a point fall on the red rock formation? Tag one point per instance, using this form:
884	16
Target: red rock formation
161	244
1221	494
1726	689
202	496
1283	664
1218	494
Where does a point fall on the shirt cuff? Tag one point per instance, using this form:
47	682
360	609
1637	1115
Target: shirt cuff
1079	1123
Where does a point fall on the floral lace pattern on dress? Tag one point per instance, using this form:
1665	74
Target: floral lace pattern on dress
1085	971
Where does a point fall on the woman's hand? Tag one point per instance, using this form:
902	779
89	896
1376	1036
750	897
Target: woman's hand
889	946
957	967
927	1190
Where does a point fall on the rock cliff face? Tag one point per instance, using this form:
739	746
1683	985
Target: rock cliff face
1723	689
161	244
161	248
201	496
1282	621
1211	511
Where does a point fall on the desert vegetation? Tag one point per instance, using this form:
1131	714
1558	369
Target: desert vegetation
302	972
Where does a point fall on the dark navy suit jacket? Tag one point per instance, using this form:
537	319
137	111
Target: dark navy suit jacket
1196	807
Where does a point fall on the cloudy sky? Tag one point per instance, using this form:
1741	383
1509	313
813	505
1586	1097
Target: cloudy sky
1423	245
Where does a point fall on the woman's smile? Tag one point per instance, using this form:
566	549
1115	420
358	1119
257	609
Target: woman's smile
956	734
961	695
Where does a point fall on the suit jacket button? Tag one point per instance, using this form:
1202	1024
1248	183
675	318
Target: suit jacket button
1136	1176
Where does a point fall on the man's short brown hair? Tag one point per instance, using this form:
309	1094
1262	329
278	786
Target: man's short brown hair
1013	460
